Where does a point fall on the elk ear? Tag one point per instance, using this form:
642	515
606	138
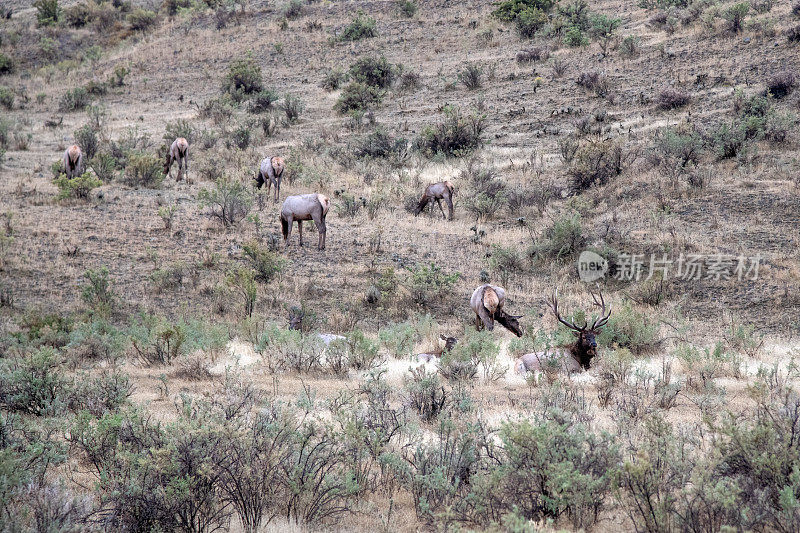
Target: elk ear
517	316
442	337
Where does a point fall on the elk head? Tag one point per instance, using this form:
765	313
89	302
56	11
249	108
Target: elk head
449	342
585	346
510	322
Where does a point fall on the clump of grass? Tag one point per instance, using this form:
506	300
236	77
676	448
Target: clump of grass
74	100
457	135
361	27
672	98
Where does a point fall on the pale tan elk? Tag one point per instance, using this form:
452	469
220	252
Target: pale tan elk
73	161
271	172
487	302
305	207
449	344
437	191
569	357
178	152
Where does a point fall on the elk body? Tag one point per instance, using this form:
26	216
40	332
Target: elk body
73	161
487	302
178	152
437	191
449	343
305	207
569	357
270	172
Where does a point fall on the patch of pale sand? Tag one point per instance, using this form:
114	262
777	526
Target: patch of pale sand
240	355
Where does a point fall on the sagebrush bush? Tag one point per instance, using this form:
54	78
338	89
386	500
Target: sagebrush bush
380	144
374	70
35	383
782	84
74	100
425	393
429	283
595	163
263	101
104	166
142	19
508	10
243	78
361	27
735	16
674	150
78	187
6	98
266	264
456	135
7	64
179	128
143	170
358	97
629	328
529	21
48	12
86	137
471	76
292	107
334	78
98	292
230	200
408	8
672	99
564	238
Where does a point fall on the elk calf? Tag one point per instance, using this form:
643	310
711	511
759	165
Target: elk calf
487	302
449	343
270	172
178	152
305	207
73	161
437	191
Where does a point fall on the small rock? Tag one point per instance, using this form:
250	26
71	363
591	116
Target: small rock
746	40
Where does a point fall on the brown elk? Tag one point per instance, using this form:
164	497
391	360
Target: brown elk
437	191
73	161
178	152
487	302
305	207
577	355
271	172
449	344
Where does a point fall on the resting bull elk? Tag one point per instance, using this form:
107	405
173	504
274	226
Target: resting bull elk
487	302
571	357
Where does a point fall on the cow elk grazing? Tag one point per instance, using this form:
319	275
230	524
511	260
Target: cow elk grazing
487	302
570	357
178	152
73	161
437	191
449	343
270	172
305	207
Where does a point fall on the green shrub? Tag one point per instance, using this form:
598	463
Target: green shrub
735	16
595	163
265	263
230	200
48	12
375	71
408	8
457	135
263	101
361	27
143	170
359	351
429	283
562	239
479	349
471	76
78	187
292	107
104	166
630	46
729	140
86	138
34	384
674	150
74	100
98	293
142	19
97	340
398	339
293	9
292	350
78	15
604	28
505	263
425	393
7	65
629	328
117	78
240	137
379	144
244	77
530	21
333	79
179	128
574	37
101	394
508	10
358	97
6	98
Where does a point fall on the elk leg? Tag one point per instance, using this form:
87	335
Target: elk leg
288	235
439	203
269	186
449	201
277	188
319	221
300	229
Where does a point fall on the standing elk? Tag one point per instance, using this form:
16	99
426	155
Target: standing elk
73	161
569	357
487	302
179	151
305	207
437	191
270	172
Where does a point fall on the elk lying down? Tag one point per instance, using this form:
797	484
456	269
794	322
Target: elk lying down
568	357
487	302
449	343
73	161
437	191
305	207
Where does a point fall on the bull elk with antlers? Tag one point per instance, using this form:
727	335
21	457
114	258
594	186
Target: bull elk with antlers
571	357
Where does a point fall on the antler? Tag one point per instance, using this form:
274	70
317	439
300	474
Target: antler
601	321
553	303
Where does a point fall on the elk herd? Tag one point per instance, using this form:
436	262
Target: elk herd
487	301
